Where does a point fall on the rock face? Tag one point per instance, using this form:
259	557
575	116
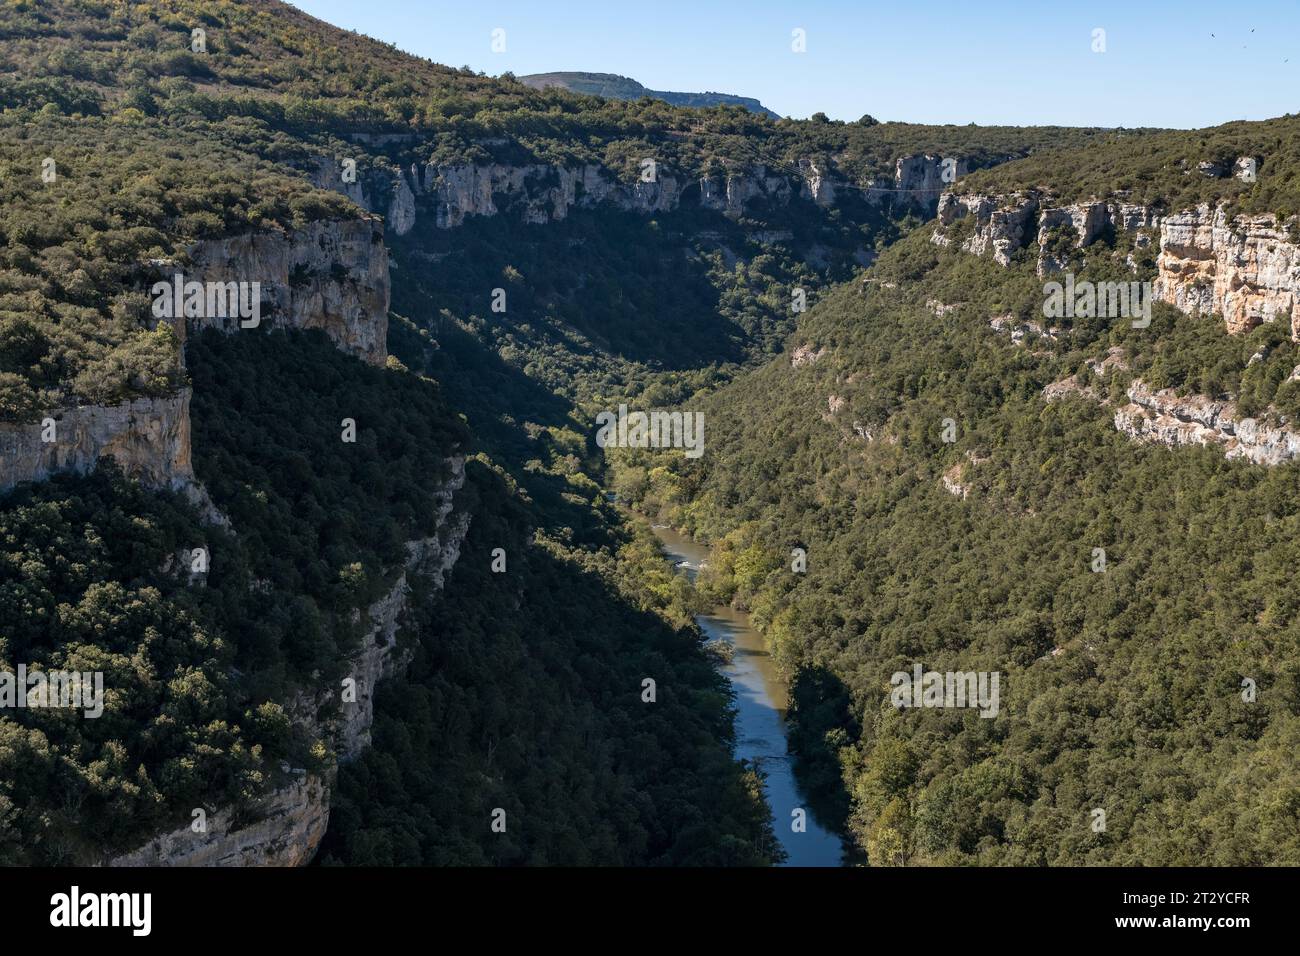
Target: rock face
1001	227
539	193
330	275
1161	417
1021	333
1086	220
919	180
379	656
805	355
952	481
148	437
731	193
285	827
1073	387
1247	268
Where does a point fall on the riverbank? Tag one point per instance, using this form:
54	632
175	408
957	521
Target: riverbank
761	702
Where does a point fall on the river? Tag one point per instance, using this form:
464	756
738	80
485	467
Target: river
761	702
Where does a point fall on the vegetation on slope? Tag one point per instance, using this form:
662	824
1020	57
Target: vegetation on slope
1120	690
95	575
1164	169
526	695
76	251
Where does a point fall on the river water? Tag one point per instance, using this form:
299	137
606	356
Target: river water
761	702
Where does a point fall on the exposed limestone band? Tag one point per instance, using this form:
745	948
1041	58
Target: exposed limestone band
1162	417
1245	268
541	193
211	301
149	438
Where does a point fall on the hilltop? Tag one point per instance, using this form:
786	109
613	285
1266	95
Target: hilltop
624	88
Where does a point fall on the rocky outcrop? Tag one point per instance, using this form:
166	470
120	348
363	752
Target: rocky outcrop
330	275
956	480
1001	226
285	827
952	481
282	829
1087	221
379	656
1162	417
1072	386
817	184
149	439
536	193
1245	268
805	355
1021	333
920	180
730	194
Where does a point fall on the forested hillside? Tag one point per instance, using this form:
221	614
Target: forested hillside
1175	169
952	510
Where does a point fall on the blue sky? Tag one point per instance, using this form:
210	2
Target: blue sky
929	61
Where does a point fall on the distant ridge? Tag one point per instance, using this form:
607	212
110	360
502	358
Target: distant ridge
624	88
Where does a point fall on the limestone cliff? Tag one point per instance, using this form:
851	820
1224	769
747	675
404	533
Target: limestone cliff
919	180
148	437
330	275
282	829
541	193
1162	417
1245	268
378	656
285	827
1002	226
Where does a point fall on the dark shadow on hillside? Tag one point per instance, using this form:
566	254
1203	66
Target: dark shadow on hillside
630	285
525	694
498	401
820	719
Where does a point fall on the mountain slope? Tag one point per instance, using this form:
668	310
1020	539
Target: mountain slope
961	471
